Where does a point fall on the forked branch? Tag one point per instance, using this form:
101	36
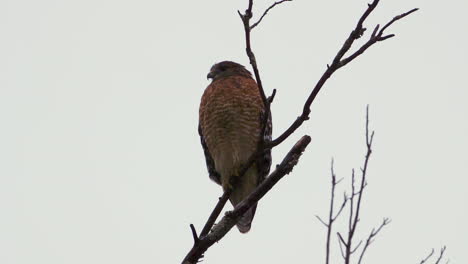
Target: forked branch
339	62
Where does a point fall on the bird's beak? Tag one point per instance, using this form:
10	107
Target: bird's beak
210	75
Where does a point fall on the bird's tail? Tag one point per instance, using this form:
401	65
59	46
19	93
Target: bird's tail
246	185
245	222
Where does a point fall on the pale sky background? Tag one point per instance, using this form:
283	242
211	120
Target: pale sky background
100	160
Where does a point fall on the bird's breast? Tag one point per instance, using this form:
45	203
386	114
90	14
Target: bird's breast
230	121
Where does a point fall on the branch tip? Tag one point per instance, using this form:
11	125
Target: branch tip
194	234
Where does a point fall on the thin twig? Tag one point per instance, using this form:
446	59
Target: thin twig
441	254
331	217
428	257
266	12
371	236
343	204
194	234
321	221
355	204
216	211
248	48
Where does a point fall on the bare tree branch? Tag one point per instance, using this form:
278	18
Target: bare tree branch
347	247
194	234
331	216
338	62
343	204
320	219
246	21
341	243
428	257
266	12
216	211
441	255
231	218
371	236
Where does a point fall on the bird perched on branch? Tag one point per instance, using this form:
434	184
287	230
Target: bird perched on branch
230	123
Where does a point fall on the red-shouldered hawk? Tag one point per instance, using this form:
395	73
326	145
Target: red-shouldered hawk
231	114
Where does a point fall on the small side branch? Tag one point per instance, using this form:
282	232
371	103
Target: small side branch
331	216
216	211
441	254
355	205
266	12
439	258
428	257
246	17
371	236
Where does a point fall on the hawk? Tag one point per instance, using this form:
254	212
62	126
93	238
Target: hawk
230	122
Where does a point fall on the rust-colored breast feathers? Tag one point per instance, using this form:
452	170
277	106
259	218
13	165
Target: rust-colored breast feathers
230	120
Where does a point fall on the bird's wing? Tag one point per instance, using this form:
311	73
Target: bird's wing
264	162
214	175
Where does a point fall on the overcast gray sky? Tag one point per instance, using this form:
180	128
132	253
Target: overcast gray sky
100	160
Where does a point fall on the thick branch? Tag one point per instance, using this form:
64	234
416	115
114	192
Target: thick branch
231	218
338	62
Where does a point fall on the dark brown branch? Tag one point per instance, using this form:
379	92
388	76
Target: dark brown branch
331	216
441	255
266	12
345	200
246	17
216	211
338	62
194	234
356	247
248	48
354	215
341	243
231	218
428	257
376	37
371	236
321	221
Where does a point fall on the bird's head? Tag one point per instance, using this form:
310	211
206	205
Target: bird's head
227	68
